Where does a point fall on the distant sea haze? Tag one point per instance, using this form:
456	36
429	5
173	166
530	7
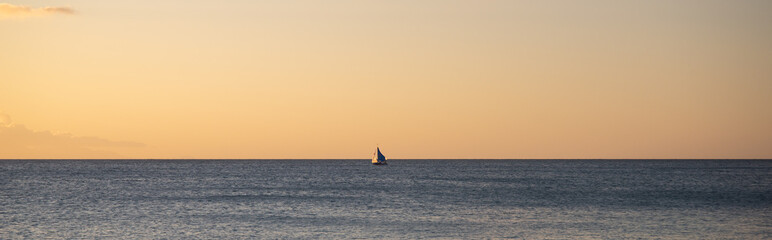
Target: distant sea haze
407	199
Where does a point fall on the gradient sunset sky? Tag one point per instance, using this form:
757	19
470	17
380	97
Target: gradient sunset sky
422	79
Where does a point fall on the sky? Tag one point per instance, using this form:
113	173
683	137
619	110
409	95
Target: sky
421	79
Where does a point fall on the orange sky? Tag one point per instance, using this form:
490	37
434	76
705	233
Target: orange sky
423	79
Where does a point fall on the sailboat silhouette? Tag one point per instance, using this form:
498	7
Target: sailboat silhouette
378	158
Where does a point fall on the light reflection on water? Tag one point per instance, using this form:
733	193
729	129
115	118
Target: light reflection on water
555	199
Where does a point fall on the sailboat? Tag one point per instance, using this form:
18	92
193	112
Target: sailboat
378	158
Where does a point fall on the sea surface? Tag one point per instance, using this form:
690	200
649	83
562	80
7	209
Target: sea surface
408	199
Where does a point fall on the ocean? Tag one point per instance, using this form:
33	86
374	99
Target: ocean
407	199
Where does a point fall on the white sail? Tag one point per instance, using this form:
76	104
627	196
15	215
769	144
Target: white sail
378	157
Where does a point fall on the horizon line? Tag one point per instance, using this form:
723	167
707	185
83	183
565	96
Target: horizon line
365	159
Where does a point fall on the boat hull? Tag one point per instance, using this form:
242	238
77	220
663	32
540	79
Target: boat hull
380	163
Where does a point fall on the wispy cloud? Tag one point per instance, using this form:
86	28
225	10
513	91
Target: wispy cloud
18	141
10	10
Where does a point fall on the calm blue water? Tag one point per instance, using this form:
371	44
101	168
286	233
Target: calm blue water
537	199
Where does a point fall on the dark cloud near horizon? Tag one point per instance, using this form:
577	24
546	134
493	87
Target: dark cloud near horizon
18	141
